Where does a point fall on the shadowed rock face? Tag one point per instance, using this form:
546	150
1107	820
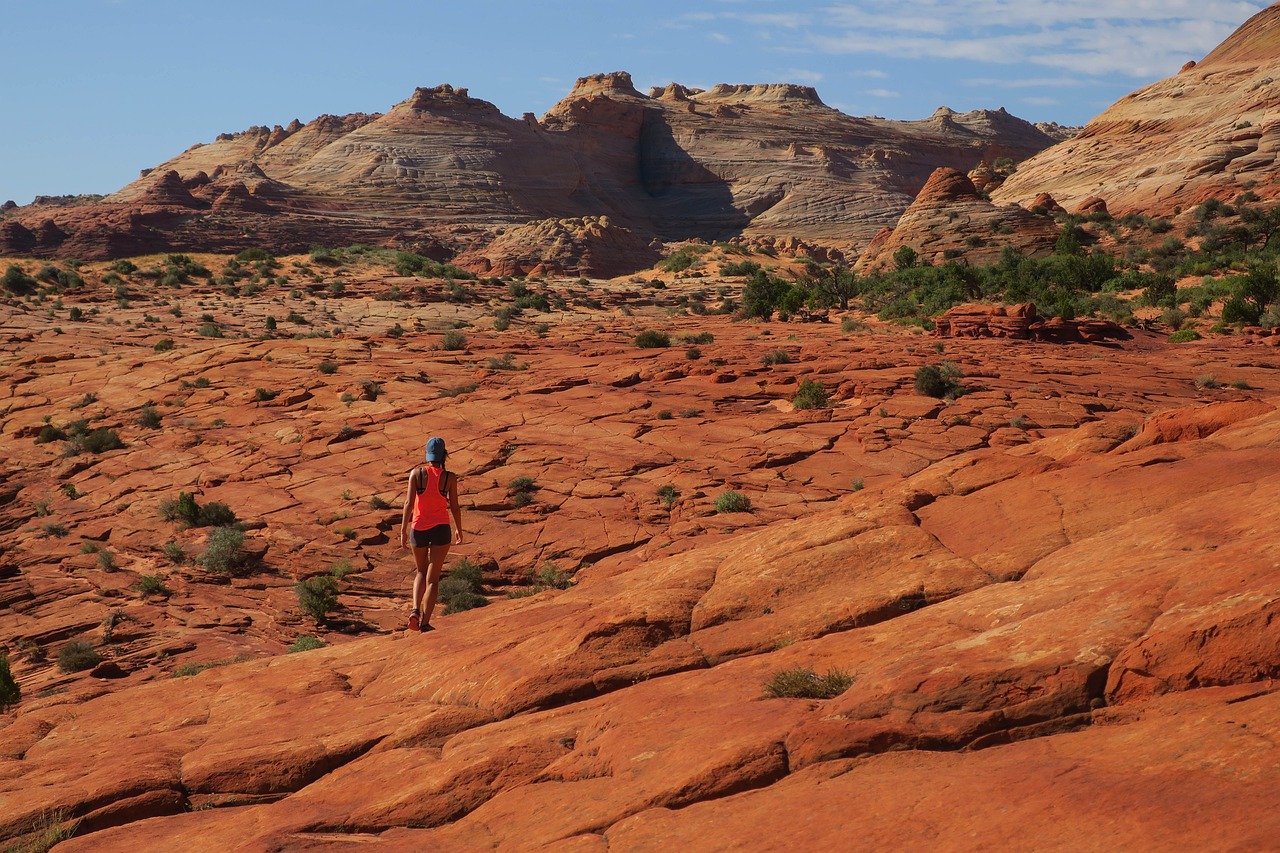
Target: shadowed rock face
738	160
1207	132
1047	625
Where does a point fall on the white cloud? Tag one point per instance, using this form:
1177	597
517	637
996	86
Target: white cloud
719	37
873	73
883	93
1139	38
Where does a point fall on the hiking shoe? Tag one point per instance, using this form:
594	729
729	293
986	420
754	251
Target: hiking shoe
413	620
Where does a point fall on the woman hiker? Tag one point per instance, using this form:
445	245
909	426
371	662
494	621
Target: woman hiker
432	497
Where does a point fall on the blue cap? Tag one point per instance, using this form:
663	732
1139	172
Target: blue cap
435	450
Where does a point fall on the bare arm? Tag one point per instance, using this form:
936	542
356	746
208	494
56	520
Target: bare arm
409	497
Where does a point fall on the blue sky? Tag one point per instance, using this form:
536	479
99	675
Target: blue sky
95	90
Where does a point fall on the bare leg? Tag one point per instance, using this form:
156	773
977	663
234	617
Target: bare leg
436	556
421	567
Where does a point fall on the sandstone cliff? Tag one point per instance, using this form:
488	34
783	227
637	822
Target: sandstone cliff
1209	131
758	161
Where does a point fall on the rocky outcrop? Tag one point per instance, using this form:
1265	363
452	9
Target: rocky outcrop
1023	322
950	220
769	161
1206	132
593	246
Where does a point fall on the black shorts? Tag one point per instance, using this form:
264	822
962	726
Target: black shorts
438	535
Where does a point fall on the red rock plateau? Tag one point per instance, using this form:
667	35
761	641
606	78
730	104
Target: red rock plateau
1052	601
1211	131
443	173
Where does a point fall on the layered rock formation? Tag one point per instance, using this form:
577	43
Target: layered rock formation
949	219
1210	131
766	161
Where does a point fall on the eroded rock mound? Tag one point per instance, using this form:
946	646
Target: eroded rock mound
592	246
950	219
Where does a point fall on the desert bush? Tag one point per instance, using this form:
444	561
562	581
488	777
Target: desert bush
812	395
934	380
265	395
731	501
1184	336
650	339
98	441
163	345
10	692
193	514
804	683
17	282
152	585
463	588
778	356
306	643
668	494
78	655
149	417
740	268
453	340
703	338
328	368
318	596
224	554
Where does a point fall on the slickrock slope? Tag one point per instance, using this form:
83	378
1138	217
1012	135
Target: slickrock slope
1210	131
447	170
1055	595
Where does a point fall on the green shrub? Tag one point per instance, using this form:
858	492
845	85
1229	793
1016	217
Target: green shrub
152	585
812	395
10	692
649	339
938	380
668	494
100	441
174	552
804	683
149	417
731	501
328	368
1184	336
306	643
779	356
17	282
163	345
453	341
78	655
49	433
463	588
265	395
318	596
224	554
740	268
210	330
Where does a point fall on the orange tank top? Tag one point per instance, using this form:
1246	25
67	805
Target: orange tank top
431	498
